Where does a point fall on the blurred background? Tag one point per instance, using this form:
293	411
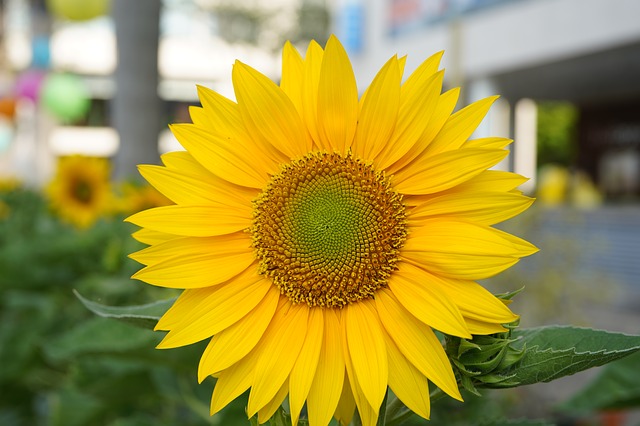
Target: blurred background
87	88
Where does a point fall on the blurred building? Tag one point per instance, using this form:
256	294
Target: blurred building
586	52
197	43
583	51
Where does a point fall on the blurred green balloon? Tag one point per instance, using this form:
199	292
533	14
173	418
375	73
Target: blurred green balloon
65	96
78	10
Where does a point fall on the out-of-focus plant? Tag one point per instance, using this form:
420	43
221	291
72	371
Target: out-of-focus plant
617	387
60	364
556	133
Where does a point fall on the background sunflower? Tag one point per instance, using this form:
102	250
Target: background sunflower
80	191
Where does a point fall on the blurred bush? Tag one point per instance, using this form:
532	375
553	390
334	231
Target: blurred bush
62	365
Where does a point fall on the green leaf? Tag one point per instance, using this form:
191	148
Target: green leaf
557	351
145	316
98	335
616	387
74	408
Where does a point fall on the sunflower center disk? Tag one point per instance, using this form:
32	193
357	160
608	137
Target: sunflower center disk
328	230
82	191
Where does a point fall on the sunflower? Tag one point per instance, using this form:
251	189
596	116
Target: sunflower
80	192
320	239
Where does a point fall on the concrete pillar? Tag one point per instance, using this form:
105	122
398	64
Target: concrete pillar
136	105
525	159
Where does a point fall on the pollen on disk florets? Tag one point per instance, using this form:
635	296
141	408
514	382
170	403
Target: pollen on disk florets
328	229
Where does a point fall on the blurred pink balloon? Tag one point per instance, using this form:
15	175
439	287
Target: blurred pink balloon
29	83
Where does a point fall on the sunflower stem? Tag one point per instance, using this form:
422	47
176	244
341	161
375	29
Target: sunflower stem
394	408
383	410
399	413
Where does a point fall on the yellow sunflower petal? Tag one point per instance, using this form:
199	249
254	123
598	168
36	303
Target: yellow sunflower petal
425	70
181	305
194	221
199	116
460	126
366	350
265	413
230	161
368	415
347	404
418	344
379	111
324	393
488	143
221	116
310	80
406	381
233	381
337	98
221	113
190	246
183	162
491	180
483	328
487	208
267	112
463	250
445	170
150	237
304	369
488	180
418	294
442	111
419	97
414	115
186	189
402	61
225	306
194	266
292	72
283	340
239	377
236	341
474	301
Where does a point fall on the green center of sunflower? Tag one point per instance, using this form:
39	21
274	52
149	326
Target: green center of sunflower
327	229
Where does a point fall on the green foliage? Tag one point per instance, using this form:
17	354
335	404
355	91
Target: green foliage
527	356
62	365
617	387
556	132
557	351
